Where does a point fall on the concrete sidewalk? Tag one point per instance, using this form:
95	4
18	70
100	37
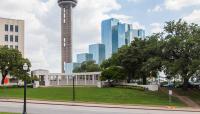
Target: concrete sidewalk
163	108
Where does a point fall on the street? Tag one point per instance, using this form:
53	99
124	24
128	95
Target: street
61	109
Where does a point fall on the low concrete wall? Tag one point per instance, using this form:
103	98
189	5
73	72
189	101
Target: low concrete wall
149	87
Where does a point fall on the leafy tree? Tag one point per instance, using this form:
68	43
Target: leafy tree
88	66
114	73
182	49
11	62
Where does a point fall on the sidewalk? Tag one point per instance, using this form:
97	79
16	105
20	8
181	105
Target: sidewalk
163	108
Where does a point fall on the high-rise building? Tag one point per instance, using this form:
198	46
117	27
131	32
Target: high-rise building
12	34
98	52
66	30
109	35
139	33
115	34
69	67
124	34
84	57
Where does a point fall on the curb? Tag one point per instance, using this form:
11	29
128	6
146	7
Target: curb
167	108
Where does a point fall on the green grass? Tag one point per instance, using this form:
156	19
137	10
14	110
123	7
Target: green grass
193	94
92	94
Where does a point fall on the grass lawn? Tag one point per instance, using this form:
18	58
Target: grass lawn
193	94
92	94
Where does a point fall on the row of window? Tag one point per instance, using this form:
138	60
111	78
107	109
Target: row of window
12	28
12	39
11	47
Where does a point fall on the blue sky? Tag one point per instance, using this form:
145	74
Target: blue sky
42	22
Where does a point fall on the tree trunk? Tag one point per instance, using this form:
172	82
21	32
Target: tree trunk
185	83
3	77
144	80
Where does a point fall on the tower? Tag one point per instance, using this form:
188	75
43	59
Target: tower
66	30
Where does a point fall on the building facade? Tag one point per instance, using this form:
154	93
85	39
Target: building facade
12	34
66	30
124	34
139	33
109	36
84	57
98	52
69	67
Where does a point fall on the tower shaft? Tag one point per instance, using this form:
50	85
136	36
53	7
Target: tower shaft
66	34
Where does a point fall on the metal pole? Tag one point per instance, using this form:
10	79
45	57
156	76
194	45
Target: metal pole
25	86
73	89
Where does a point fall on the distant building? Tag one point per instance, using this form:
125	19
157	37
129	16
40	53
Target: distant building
12	34
69	67
139	33
109	36
84	57
124	34
98	52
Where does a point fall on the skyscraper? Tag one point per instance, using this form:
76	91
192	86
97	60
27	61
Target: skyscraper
98	51
109	35
124	34
66	30
12	34
139	33
84	57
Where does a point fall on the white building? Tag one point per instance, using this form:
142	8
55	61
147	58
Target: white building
12	34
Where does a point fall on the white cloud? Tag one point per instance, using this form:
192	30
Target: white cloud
179	4
157	8
194	17
156	28
137	25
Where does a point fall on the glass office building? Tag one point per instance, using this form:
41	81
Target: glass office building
124	34
109	35
84	57
69	67
139	33
98	52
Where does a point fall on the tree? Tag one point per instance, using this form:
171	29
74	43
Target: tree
114	73
88	66
181	53
11	62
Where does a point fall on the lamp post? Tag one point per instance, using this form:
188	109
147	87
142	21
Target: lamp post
25	68
73	87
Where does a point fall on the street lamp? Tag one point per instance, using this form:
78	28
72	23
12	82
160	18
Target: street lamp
25	68
73	87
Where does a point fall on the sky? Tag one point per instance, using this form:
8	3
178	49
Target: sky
42	23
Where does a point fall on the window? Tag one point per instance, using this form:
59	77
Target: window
16	28
11	28
6	27
16	38
16	47
11	38
6	37
11	46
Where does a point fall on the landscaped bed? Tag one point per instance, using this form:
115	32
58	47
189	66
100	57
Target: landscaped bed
92	94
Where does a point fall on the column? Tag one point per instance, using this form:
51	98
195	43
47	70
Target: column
67	80
76	80
85	79
93	79
57	80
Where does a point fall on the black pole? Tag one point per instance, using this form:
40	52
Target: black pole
73	90
25	86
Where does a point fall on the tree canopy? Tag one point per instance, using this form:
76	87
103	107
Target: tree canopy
87	66
11	62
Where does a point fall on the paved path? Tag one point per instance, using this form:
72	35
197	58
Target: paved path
64	109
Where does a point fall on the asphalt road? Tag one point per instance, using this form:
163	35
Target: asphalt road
61	109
